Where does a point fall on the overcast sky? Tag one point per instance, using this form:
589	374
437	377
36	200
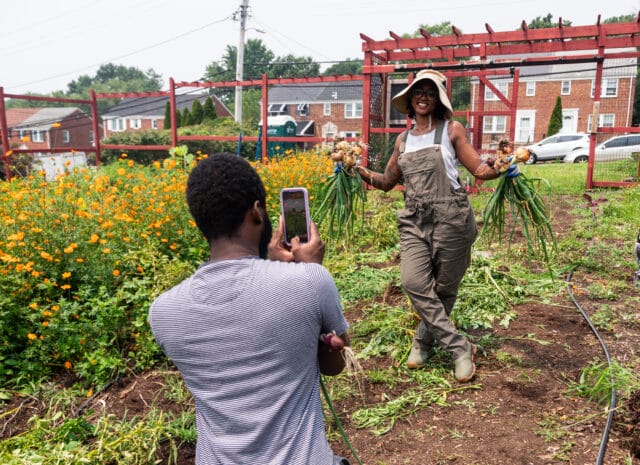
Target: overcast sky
45	44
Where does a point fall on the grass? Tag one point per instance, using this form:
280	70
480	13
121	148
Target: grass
364	269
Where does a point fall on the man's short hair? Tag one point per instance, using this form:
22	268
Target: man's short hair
220	190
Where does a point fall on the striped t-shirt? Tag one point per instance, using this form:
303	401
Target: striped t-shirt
244	334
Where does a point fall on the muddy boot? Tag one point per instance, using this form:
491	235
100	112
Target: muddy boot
419	355
465	368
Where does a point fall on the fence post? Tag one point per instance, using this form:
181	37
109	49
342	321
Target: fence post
96	125
5	136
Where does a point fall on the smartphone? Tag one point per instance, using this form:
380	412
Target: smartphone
294	202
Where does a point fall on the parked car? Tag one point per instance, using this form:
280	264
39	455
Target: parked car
556	147
616	148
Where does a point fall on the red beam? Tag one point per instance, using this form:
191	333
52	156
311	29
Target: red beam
47	99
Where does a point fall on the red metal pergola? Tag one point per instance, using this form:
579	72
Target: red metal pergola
473	54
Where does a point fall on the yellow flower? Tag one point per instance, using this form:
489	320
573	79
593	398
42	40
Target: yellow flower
45	323
79	260
68	249
66	275
93	239
106	250
32	337
90	393
33	305
65	287
46	256
46	313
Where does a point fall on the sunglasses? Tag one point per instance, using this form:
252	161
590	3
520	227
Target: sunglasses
428	93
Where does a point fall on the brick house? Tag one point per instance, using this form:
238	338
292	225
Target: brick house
137	114
49	128
540	86
321	109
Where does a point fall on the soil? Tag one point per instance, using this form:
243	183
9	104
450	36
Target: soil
517	410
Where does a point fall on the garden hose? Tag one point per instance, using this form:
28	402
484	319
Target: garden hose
612	401
338	422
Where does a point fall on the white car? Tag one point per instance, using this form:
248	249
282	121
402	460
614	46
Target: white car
616	148
556	147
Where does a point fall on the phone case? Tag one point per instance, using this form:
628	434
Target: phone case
294	202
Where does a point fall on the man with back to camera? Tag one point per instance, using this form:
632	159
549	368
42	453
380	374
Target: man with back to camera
244	330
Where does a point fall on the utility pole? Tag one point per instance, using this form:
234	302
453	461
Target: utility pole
243	12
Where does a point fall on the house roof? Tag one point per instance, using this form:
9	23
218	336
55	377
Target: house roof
154	107
16	116
316	92
41	118
616	67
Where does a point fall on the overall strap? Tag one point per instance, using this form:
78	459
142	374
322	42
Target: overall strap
437	138
403	141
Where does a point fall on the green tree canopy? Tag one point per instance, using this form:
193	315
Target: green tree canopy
197	112
209	111
541	22
348	66
555	122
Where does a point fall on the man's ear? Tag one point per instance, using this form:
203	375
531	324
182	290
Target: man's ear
256	213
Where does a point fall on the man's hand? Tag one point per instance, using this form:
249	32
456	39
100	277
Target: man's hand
311	251
277	249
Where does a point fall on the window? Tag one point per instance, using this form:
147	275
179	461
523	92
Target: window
116	124
302	109
565	88
495	124
352	134
135	123
353	110
502	86
66	136
91	138
609	88
277	109
531	88
154	123
605	120
37	136
326	109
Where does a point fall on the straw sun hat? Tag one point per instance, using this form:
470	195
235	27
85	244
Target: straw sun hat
401	100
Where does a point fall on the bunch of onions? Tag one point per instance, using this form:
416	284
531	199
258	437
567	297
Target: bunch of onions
342	195
520	196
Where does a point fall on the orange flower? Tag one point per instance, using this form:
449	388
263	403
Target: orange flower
116	273
67	365
32	337
66	275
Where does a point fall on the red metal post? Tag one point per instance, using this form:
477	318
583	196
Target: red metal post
96	125
514	106
172	111
594	121
4	129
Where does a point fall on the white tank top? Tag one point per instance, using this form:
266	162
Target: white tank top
414	143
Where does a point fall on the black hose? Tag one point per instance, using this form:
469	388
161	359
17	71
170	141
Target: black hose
612	401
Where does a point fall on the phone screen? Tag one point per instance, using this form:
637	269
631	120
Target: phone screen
296	216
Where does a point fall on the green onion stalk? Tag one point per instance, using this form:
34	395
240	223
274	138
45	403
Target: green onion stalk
342	195
520	197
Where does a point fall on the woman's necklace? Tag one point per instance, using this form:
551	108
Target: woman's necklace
419	130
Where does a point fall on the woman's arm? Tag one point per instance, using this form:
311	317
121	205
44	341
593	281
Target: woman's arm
468	155
392	174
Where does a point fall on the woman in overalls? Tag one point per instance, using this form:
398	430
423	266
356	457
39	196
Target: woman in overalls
437	226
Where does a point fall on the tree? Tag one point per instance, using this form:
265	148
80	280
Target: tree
540	22
167	116
209	111
186	119
197	112
113	78
348	66
293	66
555	122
